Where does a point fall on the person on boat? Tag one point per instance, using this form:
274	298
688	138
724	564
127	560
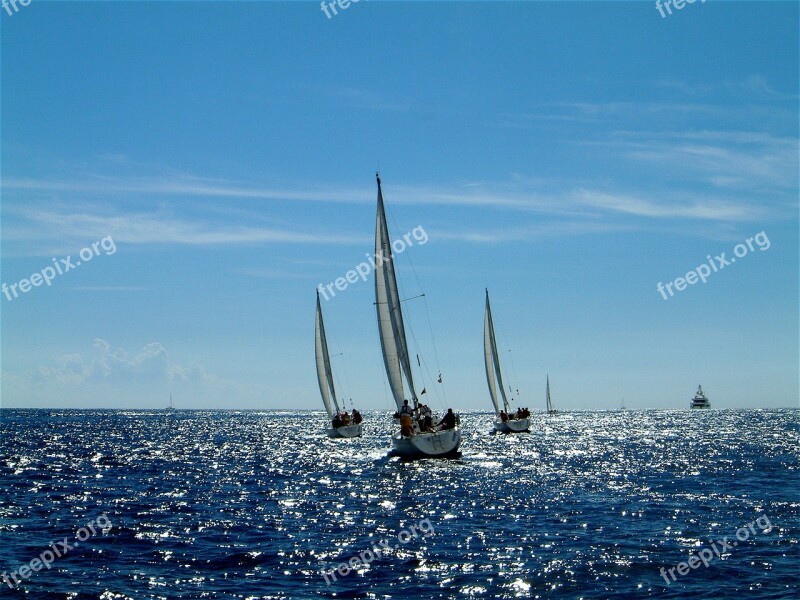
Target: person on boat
345	418
406	409
425	418
406	425
503	416
448	421
337	421
356	417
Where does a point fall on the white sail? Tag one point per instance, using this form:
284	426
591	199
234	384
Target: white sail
549	403
324	373
390	317
492	360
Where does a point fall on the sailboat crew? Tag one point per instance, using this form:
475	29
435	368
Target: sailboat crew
406	409
406	415
448	421
425	418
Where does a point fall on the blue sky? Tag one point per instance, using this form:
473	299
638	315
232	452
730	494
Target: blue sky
569	156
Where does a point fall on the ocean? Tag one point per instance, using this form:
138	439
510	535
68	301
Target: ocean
259	504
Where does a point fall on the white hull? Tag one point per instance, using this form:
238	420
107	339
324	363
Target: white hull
348	431
422	445
512	425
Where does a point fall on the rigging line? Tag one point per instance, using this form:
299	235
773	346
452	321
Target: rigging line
346	385
427	313
513	371
442	401
403	300
513	374
407	323
435	353
342	388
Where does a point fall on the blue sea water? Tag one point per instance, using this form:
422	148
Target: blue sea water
259	504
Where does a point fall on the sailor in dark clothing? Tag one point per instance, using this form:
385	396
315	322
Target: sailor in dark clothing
448	421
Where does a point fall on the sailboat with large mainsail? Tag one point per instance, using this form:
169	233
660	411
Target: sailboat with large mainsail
337	427
550	408
410	441
505	422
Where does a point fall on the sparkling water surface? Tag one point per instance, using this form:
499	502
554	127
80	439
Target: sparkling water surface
245	504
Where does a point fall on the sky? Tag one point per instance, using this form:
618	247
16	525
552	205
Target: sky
568	156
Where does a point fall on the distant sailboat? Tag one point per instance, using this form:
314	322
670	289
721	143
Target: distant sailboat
339	423
505	422
415	443
550	409
700	400
171	408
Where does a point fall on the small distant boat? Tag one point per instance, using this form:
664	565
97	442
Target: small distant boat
415	443
622	406
341	425
171	408
504	421
550	409
700	400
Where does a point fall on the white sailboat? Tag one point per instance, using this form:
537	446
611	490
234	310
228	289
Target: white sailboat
336	427
171	408
504	422
418	444
550	409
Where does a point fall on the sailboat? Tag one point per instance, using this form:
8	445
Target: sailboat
550	409
171	408
417	444
338	428
505	422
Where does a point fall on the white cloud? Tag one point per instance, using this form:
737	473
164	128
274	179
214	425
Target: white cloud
115	366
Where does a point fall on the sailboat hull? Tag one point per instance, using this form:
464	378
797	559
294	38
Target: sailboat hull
512	425
348	431
427	445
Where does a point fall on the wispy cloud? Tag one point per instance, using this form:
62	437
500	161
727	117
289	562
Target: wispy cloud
53	227
739	160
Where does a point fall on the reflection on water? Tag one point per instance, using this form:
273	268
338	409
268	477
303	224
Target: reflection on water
258	504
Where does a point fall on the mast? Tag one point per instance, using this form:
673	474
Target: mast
390	316
324	373
549	403
492	360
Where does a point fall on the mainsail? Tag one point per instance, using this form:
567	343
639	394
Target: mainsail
324	373
390	317
549	403
492	360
